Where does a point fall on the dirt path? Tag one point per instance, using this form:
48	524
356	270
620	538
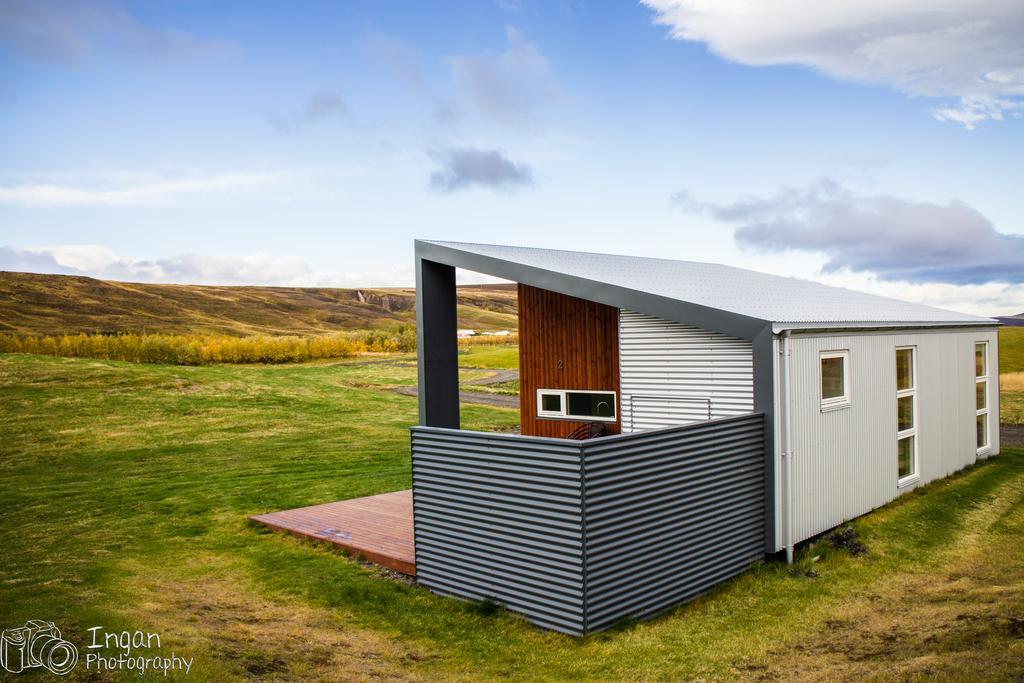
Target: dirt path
498	377
1011	435
478	397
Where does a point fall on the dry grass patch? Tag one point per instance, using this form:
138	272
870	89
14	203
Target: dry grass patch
1011	381
964	614
1011	398
219	617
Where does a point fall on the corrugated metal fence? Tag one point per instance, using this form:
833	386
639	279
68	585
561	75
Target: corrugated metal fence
501	516
577	535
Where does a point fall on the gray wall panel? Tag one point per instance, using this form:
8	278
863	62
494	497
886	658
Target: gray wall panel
501	516
670	513
579	534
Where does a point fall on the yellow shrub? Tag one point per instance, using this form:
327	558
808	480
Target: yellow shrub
186	349
489	340
194	349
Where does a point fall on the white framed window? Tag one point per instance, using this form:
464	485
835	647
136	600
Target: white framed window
906	415
835	379
550	403
981	406
573	404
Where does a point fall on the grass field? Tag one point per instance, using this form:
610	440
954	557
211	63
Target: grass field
1011	349
126	490
504	357
1011	378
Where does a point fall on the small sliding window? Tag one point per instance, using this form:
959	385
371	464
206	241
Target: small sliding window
569	404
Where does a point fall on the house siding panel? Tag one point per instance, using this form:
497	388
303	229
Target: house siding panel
564	343
844	462
672	373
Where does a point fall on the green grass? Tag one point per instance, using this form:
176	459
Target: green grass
1011	349
501	356
126	490
1011	407
1011	360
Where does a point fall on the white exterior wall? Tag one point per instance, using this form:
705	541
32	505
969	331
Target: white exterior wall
669	372
844	460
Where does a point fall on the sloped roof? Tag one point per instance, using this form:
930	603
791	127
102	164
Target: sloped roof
784	301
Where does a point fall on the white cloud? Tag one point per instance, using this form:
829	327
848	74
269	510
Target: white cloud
970	50
259	268
509	88
322	106
978	108
149	192
403	62
985	299
893	238
465	167
68	31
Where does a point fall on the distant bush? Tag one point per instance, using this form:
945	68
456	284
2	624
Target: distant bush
399	338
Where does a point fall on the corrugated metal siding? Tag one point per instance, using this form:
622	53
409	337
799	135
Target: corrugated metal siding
577	535
845	460
671	513
501	516
671	372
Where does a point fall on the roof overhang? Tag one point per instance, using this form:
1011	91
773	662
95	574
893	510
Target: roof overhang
714	319
810	327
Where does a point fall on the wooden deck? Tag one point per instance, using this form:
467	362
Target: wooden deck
377	527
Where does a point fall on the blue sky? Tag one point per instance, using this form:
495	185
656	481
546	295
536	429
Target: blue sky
870	145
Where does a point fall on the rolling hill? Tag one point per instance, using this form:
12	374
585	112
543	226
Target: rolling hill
1011	320
32	304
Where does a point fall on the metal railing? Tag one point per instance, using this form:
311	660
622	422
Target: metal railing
674	399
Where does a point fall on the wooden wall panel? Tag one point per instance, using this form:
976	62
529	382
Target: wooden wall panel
564	343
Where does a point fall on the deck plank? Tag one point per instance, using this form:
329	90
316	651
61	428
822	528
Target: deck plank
377	527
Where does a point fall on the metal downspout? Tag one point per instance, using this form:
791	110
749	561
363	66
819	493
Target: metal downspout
787	452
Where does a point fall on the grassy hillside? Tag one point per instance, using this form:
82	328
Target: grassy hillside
58	304
127	489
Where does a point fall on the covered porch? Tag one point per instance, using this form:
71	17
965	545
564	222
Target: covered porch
576	527
572	526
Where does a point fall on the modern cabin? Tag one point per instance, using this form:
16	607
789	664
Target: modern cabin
679	421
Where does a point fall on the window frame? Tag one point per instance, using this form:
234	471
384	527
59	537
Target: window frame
912	431
540	403
564	413
987	410
837	402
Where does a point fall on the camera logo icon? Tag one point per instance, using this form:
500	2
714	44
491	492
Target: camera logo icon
37	644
